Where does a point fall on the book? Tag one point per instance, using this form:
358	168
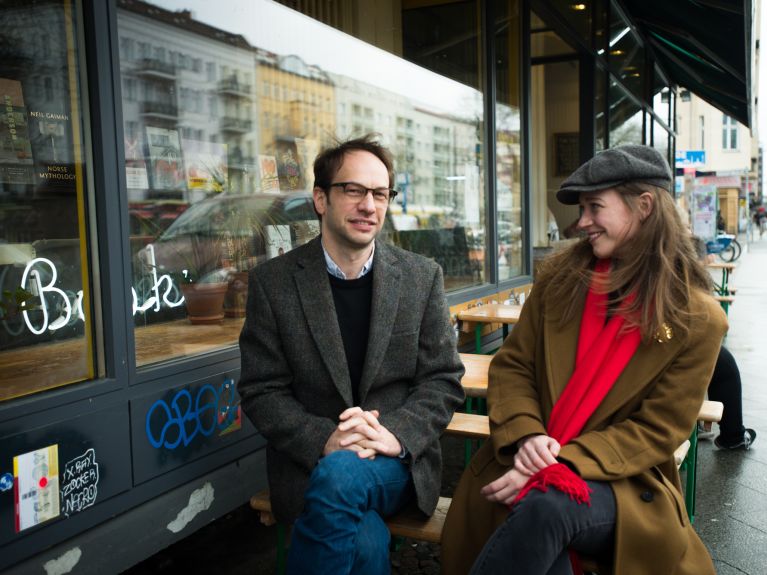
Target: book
206	165
277	241
167	167
16	162
289	167
270	182
135	165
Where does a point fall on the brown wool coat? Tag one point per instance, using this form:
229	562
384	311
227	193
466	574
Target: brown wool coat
629	440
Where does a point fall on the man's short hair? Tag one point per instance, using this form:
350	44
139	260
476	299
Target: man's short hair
327	164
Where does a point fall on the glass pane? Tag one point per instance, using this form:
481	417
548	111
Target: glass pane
544	42
511	246
224	114
660	139
600	108
45	311
626	56
661	104
625	117
555	139
578	15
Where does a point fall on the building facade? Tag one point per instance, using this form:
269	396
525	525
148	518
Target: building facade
151	152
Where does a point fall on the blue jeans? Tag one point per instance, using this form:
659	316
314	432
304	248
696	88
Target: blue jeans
539	529
341	529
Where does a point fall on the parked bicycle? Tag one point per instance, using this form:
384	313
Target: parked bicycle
726	246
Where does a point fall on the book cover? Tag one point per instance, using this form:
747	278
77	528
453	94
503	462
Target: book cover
277	241
16	162
206	165
289	167
135	165
167	168
270	182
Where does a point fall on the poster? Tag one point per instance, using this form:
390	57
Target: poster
704	211
15	148
206	165
167	168
289	167
306	150
270	182
135	166
277	241
36	476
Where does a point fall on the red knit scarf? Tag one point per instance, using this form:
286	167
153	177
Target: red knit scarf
603	353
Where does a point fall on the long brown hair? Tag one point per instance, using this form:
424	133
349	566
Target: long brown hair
659	264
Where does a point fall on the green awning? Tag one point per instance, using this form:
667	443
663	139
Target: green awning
704	45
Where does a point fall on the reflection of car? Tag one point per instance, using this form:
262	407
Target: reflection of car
232	231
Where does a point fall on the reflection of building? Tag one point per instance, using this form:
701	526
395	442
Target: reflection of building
296	101
181	75
715	146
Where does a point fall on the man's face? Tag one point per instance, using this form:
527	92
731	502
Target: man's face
349	223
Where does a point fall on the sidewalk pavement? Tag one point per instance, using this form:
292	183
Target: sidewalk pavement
731	514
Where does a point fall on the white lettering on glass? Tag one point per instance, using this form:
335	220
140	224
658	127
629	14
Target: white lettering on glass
70	305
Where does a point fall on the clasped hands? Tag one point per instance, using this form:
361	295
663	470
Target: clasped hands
535	452
361	431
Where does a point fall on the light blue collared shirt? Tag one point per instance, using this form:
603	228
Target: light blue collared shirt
336	271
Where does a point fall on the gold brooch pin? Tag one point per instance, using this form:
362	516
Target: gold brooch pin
664	334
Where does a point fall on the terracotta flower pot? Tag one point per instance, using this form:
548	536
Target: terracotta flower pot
204	302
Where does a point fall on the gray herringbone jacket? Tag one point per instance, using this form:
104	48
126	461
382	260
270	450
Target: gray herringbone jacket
295	381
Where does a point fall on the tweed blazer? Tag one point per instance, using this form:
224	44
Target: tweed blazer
628	441
295	381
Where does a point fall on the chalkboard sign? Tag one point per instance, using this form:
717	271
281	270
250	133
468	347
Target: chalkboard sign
566	154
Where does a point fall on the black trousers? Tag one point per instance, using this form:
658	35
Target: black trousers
725	386
539	529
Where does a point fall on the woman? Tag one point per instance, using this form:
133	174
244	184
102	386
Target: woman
597	385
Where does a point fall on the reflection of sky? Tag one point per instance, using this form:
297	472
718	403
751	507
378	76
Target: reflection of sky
276	28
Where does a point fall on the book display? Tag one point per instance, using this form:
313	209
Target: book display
15	147
167	167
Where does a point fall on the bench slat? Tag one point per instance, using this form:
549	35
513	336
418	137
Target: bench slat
469	425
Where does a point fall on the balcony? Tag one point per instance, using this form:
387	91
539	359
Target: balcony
160	110
156	69
236	125
231	86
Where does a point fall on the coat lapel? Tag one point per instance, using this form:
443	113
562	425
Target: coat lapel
320	312
561	342
386	297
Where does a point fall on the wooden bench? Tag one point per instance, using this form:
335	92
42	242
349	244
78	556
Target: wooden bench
725	301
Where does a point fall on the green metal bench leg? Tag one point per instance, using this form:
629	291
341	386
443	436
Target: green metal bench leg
478	337
281	549
691	465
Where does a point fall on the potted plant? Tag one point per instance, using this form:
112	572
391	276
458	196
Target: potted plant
204	283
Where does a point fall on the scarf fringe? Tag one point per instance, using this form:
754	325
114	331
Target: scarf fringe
560	477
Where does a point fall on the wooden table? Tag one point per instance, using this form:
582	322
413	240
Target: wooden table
727	268
474	381
491	313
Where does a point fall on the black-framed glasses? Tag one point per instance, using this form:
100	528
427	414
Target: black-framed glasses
356	192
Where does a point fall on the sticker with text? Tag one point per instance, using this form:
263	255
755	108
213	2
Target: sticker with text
36	479
79	483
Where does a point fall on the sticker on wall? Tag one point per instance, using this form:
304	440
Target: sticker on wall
36	477
79	483
6	482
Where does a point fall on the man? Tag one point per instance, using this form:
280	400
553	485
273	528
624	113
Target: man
350	372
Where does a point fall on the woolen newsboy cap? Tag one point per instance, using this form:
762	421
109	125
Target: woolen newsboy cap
616	166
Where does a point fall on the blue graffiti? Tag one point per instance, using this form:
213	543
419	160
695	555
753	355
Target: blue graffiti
186	416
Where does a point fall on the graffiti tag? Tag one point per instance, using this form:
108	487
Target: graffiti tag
80	481
177	423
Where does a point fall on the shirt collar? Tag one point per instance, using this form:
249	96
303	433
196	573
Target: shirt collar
336	271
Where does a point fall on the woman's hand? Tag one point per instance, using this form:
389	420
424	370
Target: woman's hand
504	489
535	453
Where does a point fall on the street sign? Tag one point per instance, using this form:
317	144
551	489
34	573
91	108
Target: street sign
690	158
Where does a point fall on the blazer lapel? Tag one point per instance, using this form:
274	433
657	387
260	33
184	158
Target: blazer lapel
320	312
386	297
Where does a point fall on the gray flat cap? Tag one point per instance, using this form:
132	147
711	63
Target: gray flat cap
610	168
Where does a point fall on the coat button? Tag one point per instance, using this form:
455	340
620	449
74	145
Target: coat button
647	496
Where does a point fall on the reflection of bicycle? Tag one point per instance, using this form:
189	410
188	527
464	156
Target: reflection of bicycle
726	246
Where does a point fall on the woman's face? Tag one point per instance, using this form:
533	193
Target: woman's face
607	221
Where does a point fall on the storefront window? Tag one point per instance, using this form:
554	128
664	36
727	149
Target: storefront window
625	117
600	108
511	245
660	138
218	155
625	54
45	310
578	15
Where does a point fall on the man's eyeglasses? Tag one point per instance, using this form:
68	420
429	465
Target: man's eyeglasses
356	192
